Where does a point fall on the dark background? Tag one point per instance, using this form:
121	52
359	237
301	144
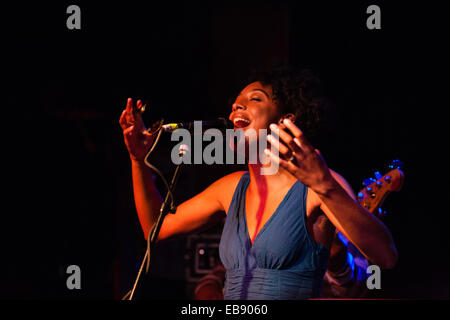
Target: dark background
68	196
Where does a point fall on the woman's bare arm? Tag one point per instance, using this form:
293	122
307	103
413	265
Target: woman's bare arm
191	215
364	230
204	209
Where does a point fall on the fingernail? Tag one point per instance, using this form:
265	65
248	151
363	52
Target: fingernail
287	121
273	126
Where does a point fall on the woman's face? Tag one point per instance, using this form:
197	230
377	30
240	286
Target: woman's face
254	108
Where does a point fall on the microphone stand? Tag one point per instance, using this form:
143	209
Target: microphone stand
166	208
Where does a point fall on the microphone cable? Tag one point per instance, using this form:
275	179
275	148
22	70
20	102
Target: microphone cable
146	260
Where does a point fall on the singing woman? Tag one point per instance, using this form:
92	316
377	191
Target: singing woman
279	228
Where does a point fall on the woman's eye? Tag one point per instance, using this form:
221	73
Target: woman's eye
255	99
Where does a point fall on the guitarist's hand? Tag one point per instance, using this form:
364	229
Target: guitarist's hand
137	140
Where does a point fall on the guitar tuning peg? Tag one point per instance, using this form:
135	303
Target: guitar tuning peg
378	175
368	181
396	164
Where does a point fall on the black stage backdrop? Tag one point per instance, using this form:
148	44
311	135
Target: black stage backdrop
68	194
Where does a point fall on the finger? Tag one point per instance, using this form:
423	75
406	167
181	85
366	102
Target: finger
292	127
139	122
299	137
123	120
318	152
275	143
128	131
286	138
136	109
288	165
129	107
130	111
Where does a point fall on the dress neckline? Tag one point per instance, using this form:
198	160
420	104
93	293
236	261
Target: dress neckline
272	217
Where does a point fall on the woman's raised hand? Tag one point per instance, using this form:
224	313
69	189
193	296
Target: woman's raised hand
137	140
300	157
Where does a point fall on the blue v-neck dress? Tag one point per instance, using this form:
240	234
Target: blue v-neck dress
283	262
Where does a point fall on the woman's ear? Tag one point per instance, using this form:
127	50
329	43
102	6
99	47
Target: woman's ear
289	116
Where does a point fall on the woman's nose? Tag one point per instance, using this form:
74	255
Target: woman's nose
237	106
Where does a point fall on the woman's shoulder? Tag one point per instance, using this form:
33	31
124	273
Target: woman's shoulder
231	180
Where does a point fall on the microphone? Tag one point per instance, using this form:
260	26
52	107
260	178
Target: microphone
183	150
220	123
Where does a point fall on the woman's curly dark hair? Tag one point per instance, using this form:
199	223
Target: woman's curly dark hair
297	92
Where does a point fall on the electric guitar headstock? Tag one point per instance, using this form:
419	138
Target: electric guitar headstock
377	189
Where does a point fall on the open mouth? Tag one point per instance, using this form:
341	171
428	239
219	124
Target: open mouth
240	122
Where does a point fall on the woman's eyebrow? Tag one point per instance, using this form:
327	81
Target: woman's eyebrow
240	94
267	95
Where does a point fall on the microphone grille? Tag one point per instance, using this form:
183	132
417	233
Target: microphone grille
184	148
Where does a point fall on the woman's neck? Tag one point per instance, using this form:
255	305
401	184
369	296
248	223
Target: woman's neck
263	183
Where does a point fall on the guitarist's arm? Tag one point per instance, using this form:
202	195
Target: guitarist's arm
347	268
346	274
